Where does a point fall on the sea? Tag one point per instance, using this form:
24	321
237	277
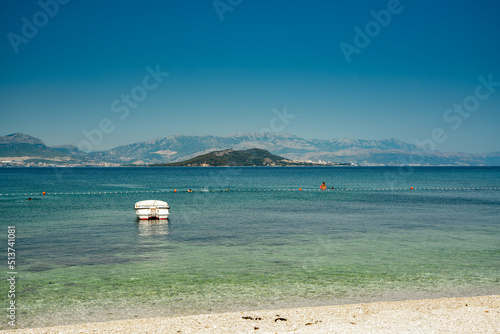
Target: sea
244	239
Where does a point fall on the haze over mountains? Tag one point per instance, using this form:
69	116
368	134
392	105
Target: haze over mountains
176	148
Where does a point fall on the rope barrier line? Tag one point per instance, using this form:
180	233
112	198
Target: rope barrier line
244	190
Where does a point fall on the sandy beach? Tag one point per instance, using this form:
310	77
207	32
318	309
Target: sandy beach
447	315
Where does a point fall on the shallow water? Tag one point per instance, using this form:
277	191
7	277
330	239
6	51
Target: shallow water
82	255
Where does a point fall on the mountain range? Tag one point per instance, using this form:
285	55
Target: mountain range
22	147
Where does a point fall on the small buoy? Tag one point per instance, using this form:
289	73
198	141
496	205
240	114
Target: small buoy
175	190
411	188
227	189
44	193
300	189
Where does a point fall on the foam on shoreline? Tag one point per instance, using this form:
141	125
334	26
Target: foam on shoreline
456	315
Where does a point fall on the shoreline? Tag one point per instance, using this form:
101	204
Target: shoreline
457	315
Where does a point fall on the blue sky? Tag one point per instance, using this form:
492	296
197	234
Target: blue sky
232	62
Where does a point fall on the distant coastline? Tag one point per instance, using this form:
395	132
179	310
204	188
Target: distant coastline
21	150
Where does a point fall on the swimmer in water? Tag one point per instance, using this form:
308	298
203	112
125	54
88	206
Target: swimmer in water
323	186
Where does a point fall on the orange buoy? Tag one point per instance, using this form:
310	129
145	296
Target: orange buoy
44	193
411	188
300	189
175	190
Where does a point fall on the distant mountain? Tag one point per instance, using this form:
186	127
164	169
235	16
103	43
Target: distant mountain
24	147
230	157
20	138
72	150
180	148
364	152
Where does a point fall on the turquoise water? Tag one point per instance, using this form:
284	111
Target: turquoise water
82	255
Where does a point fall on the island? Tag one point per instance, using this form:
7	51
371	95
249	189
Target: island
230	158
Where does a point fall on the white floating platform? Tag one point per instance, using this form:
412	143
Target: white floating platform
152	209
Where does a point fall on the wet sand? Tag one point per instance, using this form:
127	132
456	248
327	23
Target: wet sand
446	315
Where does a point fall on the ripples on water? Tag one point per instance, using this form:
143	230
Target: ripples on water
86	258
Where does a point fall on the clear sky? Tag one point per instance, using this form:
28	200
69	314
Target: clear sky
343	69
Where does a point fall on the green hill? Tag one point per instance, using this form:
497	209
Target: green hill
230	157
